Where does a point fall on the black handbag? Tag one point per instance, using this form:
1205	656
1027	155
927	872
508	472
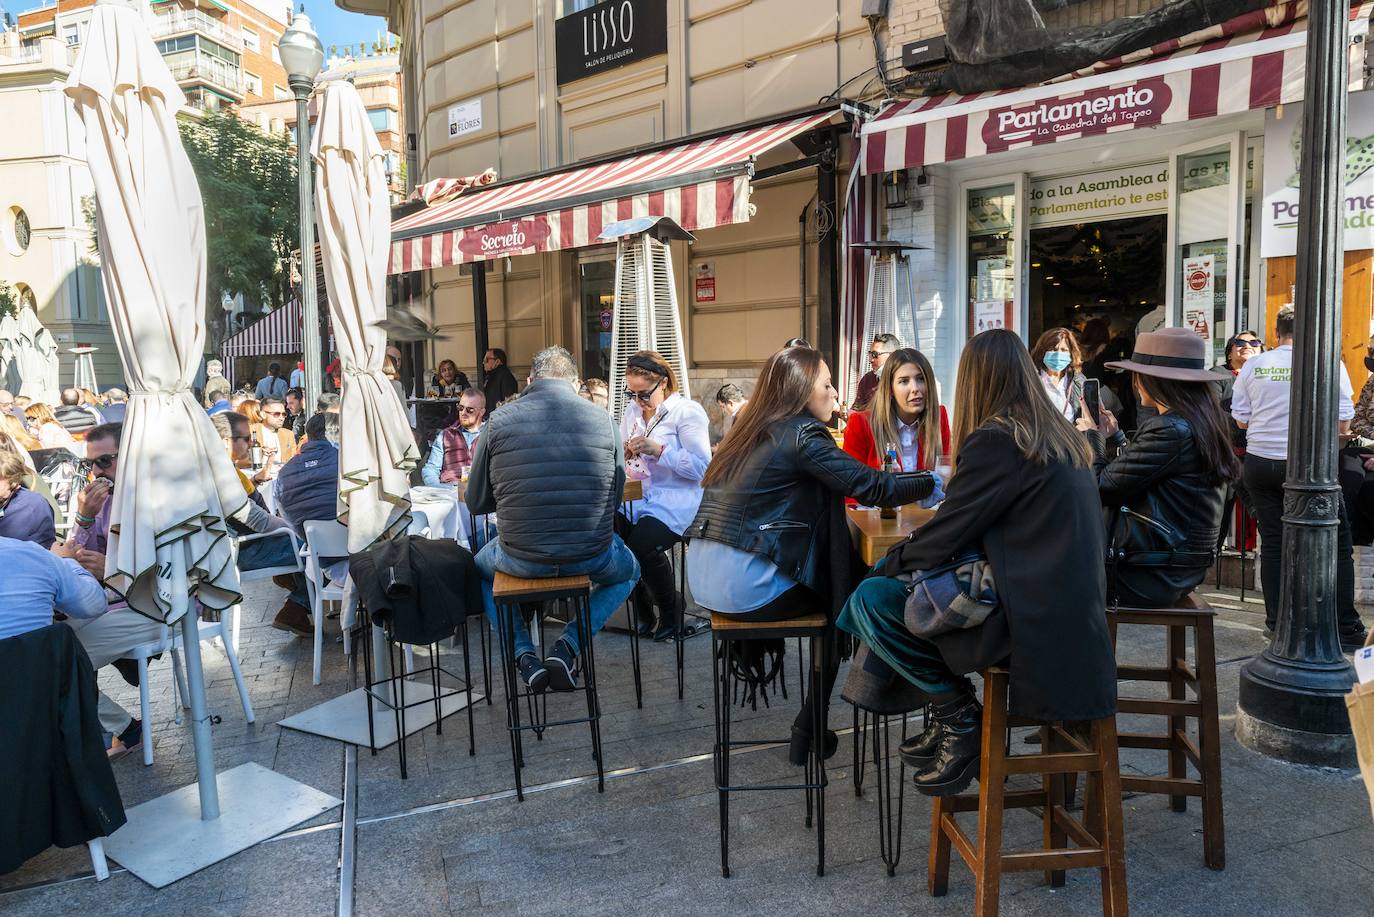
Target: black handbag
1138	543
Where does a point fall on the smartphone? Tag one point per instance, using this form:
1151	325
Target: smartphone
1092	394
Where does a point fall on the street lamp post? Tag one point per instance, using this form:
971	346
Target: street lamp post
302	55
1291	703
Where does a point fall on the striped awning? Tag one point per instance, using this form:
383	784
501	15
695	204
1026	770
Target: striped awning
275	334
1254	61
699	184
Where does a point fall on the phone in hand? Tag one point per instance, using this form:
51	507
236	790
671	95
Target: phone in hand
1092	396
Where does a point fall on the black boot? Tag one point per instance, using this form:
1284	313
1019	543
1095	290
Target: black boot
918	751
800	746
669	620
643	608
956	759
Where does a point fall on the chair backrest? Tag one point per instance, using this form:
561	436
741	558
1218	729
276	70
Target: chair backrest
326	538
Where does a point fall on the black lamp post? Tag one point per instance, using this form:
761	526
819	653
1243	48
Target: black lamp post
1291	696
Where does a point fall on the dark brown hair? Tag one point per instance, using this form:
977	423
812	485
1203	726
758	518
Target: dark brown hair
1199	404
1049	340
784	387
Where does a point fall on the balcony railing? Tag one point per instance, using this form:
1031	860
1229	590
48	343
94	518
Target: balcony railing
34	54
209	70
181	21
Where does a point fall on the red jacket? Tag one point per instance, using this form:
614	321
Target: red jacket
858	442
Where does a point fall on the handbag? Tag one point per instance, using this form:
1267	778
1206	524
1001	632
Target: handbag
957	595
1139	543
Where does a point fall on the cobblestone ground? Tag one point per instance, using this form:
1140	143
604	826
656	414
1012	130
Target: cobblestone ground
452	839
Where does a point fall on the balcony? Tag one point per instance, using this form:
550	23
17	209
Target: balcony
210	71
179	22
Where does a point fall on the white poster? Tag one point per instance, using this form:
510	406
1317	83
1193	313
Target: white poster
1282	156
1199	282
465	118
1106	195
989	315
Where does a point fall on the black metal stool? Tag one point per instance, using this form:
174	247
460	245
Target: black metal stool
393	695
889	828
724	632
509	592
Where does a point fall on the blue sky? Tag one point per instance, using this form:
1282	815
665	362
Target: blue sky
339	27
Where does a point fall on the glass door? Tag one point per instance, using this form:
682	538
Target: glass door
994	239
1206	257
596	296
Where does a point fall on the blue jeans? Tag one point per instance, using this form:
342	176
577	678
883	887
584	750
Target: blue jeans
613	573
274	552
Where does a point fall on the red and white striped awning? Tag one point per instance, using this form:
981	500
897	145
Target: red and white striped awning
700	184
275	334
1254	61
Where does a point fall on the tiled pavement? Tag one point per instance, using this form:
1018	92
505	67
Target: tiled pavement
1299	840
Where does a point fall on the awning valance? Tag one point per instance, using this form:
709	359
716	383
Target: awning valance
699	184
1254	61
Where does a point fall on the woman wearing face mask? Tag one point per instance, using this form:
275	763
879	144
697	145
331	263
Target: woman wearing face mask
905	413
667	446
1060	364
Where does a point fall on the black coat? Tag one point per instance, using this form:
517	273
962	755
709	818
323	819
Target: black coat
56	786
1041	528
499	385
1159	475
786	503
422	589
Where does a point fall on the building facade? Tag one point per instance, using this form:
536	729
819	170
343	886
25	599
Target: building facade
46	244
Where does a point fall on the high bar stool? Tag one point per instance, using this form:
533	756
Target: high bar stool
724	632
1196	615
509	592
1063	751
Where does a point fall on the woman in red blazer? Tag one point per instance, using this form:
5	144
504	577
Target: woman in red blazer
906	414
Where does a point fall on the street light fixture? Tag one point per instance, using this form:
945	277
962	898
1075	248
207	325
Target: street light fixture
302	56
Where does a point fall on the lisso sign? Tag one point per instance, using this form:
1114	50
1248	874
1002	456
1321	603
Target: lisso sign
608	35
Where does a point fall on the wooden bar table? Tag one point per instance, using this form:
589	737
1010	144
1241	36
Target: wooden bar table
873	536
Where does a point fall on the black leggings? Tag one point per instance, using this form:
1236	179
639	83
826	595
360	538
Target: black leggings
649	540
798	602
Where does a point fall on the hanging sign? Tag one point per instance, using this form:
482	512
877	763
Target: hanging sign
705	282
1282	158
1137	104
465	118
608	35
1109	194
508	238
605	319
989	315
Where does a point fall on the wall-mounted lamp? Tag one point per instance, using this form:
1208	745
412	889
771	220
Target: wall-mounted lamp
894	190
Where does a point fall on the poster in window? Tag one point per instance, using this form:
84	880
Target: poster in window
704	282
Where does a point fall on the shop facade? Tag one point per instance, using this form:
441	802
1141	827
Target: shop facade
1160	190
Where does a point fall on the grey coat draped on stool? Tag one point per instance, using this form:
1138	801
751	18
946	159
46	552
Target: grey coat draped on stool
1041	528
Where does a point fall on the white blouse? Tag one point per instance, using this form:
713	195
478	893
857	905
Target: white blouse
672	490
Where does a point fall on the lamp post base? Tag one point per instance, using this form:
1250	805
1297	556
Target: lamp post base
1296	712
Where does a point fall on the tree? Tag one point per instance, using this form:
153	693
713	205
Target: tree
9	302
248	186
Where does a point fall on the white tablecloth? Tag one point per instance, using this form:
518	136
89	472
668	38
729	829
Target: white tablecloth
439	506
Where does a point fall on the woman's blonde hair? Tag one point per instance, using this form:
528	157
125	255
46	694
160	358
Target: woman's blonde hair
40	413
997	384
883	410
12	425
670	383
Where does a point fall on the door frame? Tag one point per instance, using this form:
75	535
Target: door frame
1237	148
1020	247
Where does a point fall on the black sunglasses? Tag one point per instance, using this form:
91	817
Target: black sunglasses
645	395
103	462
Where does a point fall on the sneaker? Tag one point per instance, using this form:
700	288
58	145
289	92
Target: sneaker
131	739
294	619
1353	640
532	672
561	664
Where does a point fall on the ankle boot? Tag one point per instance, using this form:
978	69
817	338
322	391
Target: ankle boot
669	620
919	750
956	759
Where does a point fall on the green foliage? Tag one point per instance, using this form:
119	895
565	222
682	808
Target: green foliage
248	185
9	300
88	211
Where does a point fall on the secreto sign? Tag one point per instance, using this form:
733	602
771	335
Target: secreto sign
609	34
1282	156
1096	111
508	238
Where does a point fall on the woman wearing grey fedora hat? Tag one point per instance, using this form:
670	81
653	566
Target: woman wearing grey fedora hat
1163	490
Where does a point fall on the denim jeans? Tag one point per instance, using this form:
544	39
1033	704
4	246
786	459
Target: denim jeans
613	573
275	551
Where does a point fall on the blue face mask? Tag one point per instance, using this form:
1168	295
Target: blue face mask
1057	361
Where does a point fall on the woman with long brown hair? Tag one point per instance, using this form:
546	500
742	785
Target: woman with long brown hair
1059	362
43	422
905	415
1023	494
770	541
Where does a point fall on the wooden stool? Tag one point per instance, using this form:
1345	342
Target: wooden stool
509	592
1098	835
1195	614
725	630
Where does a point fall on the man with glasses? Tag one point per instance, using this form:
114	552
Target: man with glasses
498	381
272	434
454	445
884	345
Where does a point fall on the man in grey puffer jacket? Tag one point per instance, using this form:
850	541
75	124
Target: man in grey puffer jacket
551	467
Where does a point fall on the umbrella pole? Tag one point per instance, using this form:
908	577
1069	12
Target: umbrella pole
200	718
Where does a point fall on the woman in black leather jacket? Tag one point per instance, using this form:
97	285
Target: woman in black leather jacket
1163	490
770	540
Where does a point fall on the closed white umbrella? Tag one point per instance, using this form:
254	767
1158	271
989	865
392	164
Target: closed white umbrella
168	538
376	448
9	354
37	358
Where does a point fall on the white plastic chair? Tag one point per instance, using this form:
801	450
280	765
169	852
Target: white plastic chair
249	576
96	846
325	538
170	641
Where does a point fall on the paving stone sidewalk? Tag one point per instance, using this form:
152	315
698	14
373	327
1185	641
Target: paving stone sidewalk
452	839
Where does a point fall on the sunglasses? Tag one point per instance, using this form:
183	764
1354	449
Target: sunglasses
247	437
644	395
875	354
468	410
103	462
274	413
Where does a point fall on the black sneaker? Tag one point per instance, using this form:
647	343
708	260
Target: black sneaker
1353	640
128	670
532	672
561	664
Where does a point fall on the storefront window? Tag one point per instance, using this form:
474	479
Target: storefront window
991	257
598	307
1203	261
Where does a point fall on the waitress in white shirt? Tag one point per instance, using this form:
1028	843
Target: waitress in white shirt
667	447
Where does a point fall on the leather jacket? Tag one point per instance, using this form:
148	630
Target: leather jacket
779	504
1163	514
